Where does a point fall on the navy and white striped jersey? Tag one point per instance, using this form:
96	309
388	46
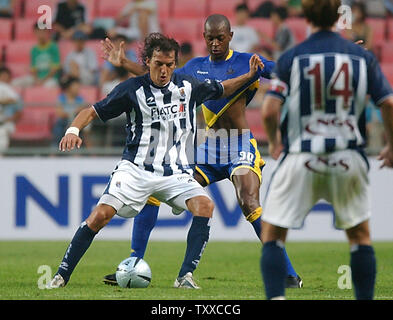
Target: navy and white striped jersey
325	82
162	122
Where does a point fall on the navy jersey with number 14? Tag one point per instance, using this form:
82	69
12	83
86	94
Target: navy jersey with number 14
325	82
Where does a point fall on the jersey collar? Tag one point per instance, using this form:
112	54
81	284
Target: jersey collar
230	54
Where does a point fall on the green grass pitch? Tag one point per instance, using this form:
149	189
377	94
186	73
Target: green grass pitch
228	270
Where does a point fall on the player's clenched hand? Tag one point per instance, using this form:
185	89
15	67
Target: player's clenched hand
115	55
69	142
255	63
386	155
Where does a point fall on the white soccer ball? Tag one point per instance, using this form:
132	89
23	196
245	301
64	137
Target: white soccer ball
133	273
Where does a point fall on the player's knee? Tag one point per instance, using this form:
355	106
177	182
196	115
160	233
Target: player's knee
359	234
248	202
99	218
204	208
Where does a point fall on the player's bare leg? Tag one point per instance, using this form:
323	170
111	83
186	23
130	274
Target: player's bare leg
247	186
363	262
201	208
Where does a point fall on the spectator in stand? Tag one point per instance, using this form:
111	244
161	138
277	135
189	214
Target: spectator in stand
360	30
71	17
294	8
114	129
186	54
7	8
70	102
44	62
245	38
120	75
10	108
265	9
82	62
108	72
283	36
137	20
389	6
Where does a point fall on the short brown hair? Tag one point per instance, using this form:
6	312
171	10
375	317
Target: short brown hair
321	13
159	42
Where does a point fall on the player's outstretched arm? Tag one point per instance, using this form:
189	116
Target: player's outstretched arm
117	57
232	85
71	138
270	111
386	154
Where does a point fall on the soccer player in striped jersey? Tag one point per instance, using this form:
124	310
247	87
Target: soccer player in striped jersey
321	91
230	151
158	158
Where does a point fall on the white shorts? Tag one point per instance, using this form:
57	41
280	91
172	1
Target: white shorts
301	180
130	186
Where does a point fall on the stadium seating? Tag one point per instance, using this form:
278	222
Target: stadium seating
18	69
188	9
17	57
95	45
91	9
254	121
199	48
89	94
18	6
19	52
263	25
387	53
299	27
164	10
225	7
107	8
31	7
184	29
35	125
378	27
5	29
387	69
24	28
390	29
42	96
65	47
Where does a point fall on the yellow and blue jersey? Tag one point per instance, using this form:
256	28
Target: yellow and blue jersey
235	65
219	158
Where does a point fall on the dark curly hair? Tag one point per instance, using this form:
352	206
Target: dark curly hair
159	42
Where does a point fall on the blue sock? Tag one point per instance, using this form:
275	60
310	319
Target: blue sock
273	269
144	223
257	225
290	270
364	269
77	248
197	238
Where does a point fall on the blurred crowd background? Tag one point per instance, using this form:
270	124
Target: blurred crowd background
48	75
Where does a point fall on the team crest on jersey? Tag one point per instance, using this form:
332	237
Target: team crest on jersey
230	71
151	101
182	92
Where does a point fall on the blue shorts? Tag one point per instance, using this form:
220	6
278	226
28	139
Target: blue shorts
218	158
